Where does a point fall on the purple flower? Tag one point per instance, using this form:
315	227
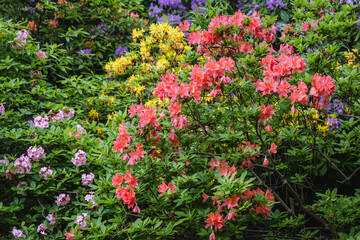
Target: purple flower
121	50
86	51
240	4
172	18
333	122
154	10
174	4
197	3
275	3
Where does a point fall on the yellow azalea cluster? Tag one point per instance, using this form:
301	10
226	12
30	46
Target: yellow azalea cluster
350	57
93	114
156	51
120	64
156	102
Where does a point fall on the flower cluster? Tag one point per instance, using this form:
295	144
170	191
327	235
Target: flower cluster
89	198
62	199
250	151
121	50
81	220
126	194
36	153
2	108
21	39
87	179
51	217
45	172
164	188
40	122
79	159
18	233
322	88
223	167
275	3
41	55
62	114
41	229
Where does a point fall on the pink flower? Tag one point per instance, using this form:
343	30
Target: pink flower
266	162
21	39
79	159
41	229
52	218
5	161
70	235
24	163
45	172
89	198
62	199
87	179
41	54
18	233
41	122
80	220
2	108
36	153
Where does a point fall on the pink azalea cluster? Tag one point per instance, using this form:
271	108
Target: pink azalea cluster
21	39
87	179
79	159
45	172
62	114
35	74
89	198
23	163
2	108
18	233
63	199
80	131
81	220
322	88
41	55
36	153
51	217
41	122
5	161
41	229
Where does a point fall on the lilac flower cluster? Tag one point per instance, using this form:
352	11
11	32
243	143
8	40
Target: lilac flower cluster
154	10
172	18
337	106
100	28
333	122
121	50
79	159
275	3
174	4
198	4
86	51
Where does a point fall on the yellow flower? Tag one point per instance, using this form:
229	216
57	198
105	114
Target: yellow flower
93	114
99	130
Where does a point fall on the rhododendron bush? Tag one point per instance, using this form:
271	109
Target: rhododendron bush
224	127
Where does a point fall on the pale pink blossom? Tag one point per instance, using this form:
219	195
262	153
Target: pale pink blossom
62	199
5	161
89	198
52	218
18	233
41	54
41	229
41	122
2	109
21	39
45	172
87	179
79	159
36	153
80	220
23	163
